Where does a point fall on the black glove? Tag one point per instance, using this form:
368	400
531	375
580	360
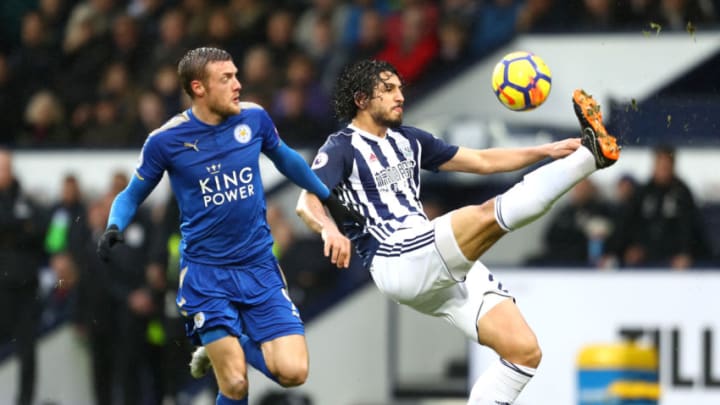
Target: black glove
341	213
109	238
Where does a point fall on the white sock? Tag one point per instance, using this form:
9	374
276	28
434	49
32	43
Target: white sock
500	384
535	194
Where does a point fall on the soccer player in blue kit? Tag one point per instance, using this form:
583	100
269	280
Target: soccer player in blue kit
433	266
231	290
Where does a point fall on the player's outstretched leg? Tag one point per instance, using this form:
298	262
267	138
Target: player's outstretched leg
533	197
199	363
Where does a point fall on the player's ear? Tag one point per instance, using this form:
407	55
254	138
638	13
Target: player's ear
361	99
197	87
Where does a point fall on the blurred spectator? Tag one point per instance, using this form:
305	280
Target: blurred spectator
151	115
11	13
301	72
249	18
35	58
171	43
676	14
258	74
370	38
114	309
116	83
10	105
107	128
98	13
625	189
634	14
328	15
22	227
596	15
163	278
576	233
500	20
166	84
85	54
411	39
221	33
280	37
662	226
309	275
353	23
198	16
325	53
295	125
44	122
454	49
68	222
129	47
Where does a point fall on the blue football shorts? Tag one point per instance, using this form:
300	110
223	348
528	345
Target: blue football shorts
250	300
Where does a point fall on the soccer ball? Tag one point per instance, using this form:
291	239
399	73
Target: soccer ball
521	81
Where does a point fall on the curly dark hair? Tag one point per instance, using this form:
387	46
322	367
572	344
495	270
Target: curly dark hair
356	83
192	65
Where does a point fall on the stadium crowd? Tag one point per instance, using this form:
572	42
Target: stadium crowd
102	74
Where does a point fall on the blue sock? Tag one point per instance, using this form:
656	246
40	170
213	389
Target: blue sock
254	356
223	400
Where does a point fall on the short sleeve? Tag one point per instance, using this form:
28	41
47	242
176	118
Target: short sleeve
268	131
151	162
333	162
435	151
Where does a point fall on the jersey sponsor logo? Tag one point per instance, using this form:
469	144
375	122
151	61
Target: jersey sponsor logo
320	160
242	133
222	187
393	177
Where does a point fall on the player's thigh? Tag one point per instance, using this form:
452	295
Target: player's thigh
228	362
465	303
476	229
504	329
287	355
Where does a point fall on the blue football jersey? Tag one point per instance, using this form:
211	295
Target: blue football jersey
380	177
215	176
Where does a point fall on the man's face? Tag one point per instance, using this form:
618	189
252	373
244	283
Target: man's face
222	88
664	169
6	171
386	104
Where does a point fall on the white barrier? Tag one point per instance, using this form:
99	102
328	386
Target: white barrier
569	310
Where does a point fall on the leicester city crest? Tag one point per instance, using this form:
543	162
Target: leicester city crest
242	133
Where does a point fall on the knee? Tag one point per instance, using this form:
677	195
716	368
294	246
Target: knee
526	352
233	386
293	375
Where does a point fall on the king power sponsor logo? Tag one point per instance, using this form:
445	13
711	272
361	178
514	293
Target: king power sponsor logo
223	187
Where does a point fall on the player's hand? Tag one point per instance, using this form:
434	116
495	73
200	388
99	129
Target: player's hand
109	238
341	213
337	247
560	149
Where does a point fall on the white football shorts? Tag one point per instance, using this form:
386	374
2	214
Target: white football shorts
422	267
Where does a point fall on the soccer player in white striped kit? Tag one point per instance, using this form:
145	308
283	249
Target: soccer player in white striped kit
433	266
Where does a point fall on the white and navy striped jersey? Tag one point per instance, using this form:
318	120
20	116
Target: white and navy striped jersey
380	178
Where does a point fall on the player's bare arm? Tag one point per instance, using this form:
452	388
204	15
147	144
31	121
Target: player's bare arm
336	246
496	160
